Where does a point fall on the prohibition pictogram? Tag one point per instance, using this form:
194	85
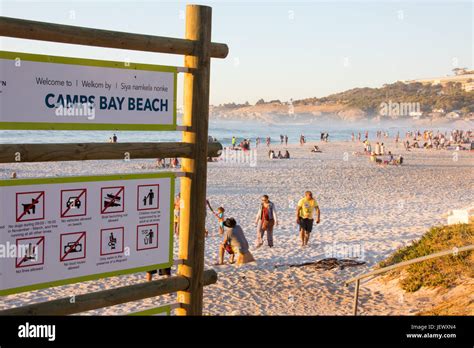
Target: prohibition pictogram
112	199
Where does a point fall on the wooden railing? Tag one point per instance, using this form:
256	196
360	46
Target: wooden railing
400	265
11	153
68	34
110	297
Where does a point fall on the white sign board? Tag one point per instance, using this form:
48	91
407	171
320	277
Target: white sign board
45	92
64	230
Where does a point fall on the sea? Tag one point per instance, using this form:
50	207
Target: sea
223	131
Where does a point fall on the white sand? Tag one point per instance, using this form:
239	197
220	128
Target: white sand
364	207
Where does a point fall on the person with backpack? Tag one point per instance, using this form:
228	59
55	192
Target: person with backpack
266	219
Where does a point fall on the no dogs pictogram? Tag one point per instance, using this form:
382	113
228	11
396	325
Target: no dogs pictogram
29	206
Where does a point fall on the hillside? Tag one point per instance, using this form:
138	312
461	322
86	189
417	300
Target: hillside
357	104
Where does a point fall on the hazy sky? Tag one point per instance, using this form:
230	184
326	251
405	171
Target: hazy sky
280	49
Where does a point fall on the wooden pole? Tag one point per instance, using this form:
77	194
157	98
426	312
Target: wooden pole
193	187
356	296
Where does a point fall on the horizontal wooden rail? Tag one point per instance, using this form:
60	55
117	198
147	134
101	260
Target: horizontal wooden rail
410	262
33	30
111	297
10	153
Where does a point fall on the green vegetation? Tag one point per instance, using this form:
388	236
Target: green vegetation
443	271
448	97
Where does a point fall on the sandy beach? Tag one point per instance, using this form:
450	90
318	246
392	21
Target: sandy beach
367	211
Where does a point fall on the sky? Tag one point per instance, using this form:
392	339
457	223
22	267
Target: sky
279	49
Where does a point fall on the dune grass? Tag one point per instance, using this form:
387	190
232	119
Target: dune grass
444	271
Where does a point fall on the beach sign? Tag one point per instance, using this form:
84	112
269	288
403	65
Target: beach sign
59	93
57	231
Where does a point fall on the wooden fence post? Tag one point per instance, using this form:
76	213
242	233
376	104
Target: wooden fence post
193	187
356	296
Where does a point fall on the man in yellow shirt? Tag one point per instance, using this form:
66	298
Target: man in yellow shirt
304	216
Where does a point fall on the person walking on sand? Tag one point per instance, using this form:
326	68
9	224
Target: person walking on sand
234	243
266	219
234	141
304	216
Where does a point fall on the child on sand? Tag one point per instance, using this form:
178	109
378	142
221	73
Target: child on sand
219	215
220	218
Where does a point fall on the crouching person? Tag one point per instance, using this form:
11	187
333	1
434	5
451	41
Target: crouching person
234	243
